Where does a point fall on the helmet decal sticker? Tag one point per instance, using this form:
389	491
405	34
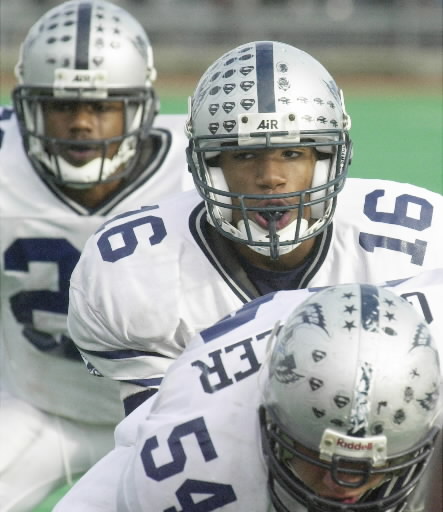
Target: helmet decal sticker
228	88
228	106
430	400
283	84
282	67
370	308
213	107
341	401
83	33
245	70
246	85
213	128
285	371
361	406
247	103
315	383
229	125
422	338
265	77
318	355
229	73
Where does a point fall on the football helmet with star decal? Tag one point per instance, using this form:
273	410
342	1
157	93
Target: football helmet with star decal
353	393
85	51
260	95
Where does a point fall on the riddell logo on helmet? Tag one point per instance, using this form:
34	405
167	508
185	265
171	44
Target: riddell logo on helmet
354	446
268	124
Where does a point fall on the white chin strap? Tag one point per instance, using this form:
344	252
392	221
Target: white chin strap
259	234
89	173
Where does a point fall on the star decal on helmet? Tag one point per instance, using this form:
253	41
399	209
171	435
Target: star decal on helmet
349	325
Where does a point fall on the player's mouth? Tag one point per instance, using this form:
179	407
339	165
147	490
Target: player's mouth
80	155
267	215
347	499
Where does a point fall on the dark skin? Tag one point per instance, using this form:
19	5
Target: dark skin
86	121
320	481
270	171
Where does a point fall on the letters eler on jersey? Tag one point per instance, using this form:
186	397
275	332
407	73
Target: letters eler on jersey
197	425
149	280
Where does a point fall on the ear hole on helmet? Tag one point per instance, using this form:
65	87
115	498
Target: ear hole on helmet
321	176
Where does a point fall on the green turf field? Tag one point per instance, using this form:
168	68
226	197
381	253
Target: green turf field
398	138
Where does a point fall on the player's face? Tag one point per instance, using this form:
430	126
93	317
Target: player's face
268	171
320	481
83	121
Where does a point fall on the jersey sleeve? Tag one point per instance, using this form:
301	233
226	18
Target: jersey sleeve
141	290
123	331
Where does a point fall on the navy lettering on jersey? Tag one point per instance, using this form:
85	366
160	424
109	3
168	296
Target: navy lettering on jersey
400	217
125	232
215	377
216	494
25	303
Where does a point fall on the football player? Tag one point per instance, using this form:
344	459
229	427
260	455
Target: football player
269	149
82	143
331	406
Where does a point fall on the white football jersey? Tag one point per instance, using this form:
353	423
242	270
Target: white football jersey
42	233
199	441
148	281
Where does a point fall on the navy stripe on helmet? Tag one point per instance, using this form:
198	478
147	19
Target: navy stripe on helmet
265	77
370	307
83	34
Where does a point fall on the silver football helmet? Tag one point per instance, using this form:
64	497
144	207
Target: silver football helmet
354	378
266	95
85	50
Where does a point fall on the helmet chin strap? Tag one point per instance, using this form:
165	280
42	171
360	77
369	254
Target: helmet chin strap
91	173
274	250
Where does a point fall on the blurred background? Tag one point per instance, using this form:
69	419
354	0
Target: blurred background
385	54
